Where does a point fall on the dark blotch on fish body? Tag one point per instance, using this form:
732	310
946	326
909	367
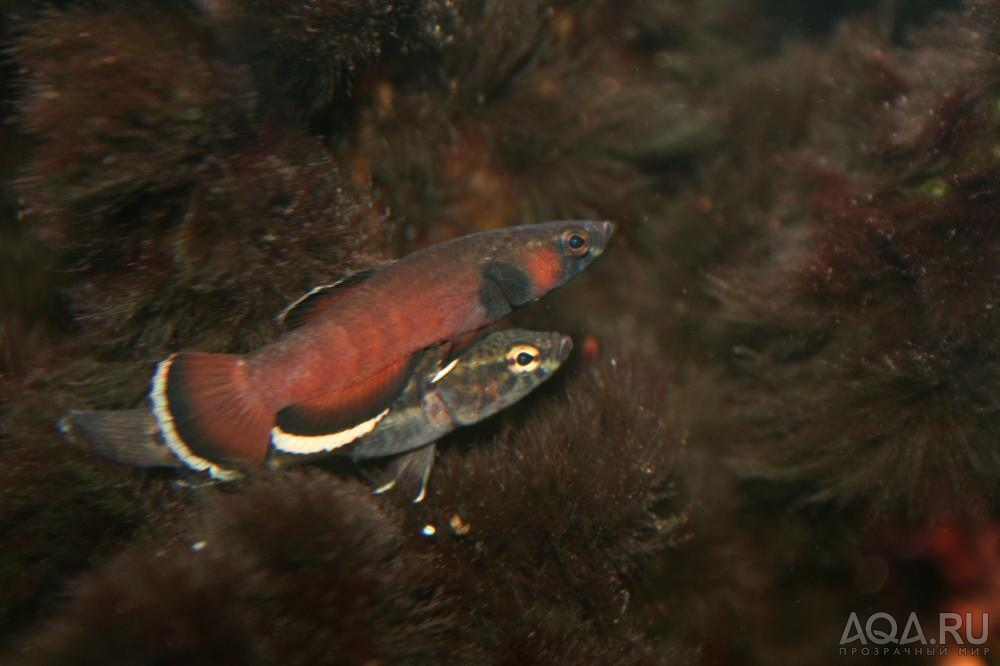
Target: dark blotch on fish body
505	286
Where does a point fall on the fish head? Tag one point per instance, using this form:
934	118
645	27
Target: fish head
499	370
525	263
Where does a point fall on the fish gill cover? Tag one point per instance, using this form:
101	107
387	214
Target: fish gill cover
784	403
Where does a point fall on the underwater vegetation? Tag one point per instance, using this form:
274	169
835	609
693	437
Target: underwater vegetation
885	301
782	404
304	567
146	168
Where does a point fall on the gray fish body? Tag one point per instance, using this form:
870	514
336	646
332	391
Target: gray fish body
482	381
415	419
493	374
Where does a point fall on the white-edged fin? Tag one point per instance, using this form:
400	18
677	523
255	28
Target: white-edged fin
385	487
283	315
161	410
318	299
305	444
443	372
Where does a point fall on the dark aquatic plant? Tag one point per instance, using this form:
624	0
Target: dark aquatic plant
885	303
157	210
297	569
543	532
59	513
565	506
307	55
842	189
163	189
521	112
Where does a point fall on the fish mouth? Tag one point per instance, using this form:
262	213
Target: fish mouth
606	229
564	347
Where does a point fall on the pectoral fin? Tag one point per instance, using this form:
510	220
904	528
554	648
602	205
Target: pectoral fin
411	472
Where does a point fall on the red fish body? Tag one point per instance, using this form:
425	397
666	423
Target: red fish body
330	379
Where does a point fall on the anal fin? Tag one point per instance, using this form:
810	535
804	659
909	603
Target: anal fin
342	415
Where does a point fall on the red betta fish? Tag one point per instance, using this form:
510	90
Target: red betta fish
332	378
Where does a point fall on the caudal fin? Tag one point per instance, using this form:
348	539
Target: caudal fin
128	437
209	412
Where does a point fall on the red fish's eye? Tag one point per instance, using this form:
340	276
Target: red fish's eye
576	242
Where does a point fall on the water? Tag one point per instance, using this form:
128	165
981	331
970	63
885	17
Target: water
774	438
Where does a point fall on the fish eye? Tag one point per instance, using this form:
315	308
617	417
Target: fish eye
522	359
576	241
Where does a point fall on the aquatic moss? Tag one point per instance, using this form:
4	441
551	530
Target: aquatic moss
60	514
884	304
172	196
805	241
567	505
305	55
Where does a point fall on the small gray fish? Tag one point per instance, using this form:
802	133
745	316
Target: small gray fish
440	396
490	376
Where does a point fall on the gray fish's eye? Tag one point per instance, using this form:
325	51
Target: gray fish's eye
522	359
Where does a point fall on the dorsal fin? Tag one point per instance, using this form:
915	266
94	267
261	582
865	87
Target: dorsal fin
318	299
